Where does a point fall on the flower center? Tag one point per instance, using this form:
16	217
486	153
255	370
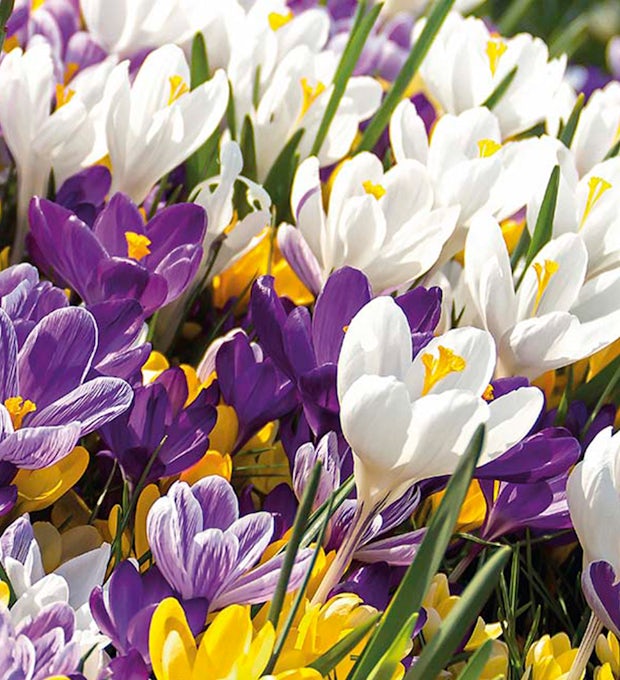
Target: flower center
487	147
63	95
375	190
438	368
544	272
495	48
310	94
598	186
178	87
18	408
137	245
276	21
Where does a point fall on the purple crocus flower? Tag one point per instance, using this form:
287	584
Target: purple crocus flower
121	257
38	648
257	390
45	402
159	430
306	349
205	550
84	193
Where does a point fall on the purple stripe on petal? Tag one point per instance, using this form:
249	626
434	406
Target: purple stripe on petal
34	448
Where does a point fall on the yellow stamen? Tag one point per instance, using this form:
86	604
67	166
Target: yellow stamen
598	186
544	272
137	245
310	94
438	368
375	190
63	95
36	4
489	393
276	21
345	328
18	408
495	48
487	147
10	43
178	87
71	69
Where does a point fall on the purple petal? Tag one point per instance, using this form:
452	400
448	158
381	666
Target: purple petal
118	217
8	360
299	256
254	531
181	225
33	448
217	500
56	355
602	592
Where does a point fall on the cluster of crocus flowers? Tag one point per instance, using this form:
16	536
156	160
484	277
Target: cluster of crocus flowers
309	317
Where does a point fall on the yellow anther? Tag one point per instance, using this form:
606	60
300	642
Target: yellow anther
487	147
137	245
598	186
63	95
489	393
438	368
375	190
544	272
36	4
345	328
178	87
70	70
10	43
276	20
495	48
310	94
18	408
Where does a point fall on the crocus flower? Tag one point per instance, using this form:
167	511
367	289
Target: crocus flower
391	408
46	403
592	494
306	350
483	60
120	256
155	123
555	318
374	222
204	550
38	140
160	434
41	647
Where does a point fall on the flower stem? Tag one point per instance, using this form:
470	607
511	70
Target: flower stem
585	648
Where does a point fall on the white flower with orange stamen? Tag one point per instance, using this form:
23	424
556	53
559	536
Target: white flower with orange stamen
467	62
156	123
554	317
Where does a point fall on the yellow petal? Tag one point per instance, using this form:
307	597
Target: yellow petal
212	463
155	364
38	489
226	640
149	495
171	643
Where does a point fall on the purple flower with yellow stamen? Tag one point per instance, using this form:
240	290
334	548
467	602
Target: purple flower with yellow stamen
206	551
46	403
121	257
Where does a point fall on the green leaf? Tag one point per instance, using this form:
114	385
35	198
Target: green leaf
201	161
325	663
590	392
280	177
292	547
387	666
417	580
613	152
6	7
511	18
248	149
544	223
566	137
381	118
494	98
330	506
362	25
437	653
477	662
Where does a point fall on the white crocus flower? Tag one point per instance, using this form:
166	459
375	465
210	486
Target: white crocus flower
125	28
156	123
296	99
381	223
555	317
407	418
39	140
467	62
598	128
227	238
588	207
